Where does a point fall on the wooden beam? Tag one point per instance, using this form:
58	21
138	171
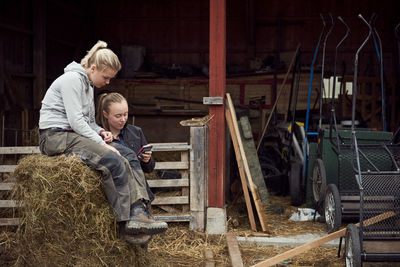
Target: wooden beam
216	163
6	186
168	183
15	29
240	150
39	51
198	175
19	150
170	200
170	146
318	242
243	179
7	168
177	165
174	218
234	252
9	221
208	254
9	204
252	159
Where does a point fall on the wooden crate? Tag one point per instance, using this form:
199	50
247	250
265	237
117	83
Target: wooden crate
7	183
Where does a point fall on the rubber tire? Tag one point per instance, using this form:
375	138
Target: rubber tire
352	252
296	198
319	180
333	218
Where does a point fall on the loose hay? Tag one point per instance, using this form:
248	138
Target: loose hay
66	219
277	224
181	247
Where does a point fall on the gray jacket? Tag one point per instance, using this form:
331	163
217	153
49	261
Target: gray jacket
69	103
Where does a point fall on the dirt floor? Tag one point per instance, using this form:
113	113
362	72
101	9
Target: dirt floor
181	247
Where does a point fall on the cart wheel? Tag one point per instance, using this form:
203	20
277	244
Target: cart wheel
352	246
318	181
295	184
332	209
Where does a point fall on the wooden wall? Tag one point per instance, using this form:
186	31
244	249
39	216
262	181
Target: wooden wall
39	38
176	32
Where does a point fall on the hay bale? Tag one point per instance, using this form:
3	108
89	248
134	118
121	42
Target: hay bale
66	219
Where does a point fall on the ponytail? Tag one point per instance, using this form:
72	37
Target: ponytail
102	57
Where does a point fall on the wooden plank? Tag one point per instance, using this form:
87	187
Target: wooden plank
7	168
252	158
39	51
197	168
174	218
319	241
209	256
19	150
240	150
216	100
234	251
178	165
241	171
170	146
168	183
6	186
170	200
169	209
9	221
184	174
9	204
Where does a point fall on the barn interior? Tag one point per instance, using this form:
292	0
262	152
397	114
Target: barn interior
271	52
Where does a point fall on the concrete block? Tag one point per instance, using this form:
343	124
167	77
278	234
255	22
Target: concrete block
216	221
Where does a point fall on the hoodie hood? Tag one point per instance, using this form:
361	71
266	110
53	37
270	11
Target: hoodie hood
76	67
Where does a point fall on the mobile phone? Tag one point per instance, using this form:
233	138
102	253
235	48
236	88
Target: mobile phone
143	149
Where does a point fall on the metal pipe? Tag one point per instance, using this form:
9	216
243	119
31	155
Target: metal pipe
323	70
354	145
379	52
293	139
305	144
333	114
353	111
312	71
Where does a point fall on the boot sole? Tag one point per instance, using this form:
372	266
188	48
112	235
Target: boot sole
144	228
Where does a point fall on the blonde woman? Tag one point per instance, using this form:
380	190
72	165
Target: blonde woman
67	126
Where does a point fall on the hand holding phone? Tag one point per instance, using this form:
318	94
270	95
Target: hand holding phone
143	149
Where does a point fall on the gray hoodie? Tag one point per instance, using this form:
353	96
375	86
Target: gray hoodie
69	103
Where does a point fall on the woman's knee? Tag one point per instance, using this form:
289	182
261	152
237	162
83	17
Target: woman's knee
116	165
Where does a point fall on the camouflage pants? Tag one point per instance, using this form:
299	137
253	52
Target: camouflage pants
123	181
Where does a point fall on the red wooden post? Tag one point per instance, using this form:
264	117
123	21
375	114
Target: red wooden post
216	165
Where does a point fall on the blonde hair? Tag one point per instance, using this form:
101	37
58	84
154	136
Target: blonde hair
103	104
102	57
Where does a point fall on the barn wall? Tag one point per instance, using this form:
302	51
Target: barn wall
49	34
